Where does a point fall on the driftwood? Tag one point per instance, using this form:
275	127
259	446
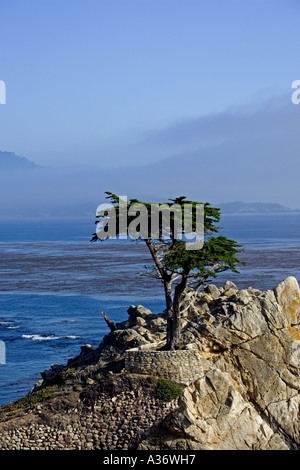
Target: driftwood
110	324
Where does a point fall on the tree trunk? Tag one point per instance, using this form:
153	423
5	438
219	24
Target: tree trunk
169	304
175	330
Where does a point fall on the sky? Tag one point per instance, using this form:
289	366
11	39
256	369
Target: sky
131	83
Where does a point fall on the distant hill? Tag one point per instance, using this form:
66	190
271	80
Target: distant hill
29	190
239	207
10	161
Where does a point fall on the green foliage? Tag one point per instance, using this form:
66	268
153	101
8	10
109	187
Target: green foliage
64	375
211	215
31	399
167	390
217	254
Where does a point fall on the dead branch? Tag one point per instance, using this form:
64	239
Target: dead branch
109	323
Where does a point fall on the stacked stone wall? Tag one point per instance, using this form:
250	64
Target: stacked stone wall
182	366
116	423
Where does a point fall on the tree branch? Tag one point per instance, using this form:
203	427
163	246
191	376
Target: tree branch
197	284
164	274
110	324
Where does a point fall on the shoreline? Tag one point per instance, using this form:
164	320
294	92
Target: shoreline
256	349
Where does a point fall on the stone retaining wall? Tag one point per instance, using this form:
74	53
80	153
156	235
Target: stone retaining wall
116	423
183	366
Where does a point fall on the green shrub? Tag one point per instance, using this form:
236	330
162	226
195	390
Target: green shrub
64	375
32	398
167	390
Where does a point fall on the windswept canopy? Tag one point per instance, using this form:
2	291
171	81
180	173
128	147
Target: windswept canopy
180	264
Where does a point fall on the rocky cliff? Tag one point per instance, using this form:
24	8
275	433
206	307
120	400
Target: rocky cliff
245	393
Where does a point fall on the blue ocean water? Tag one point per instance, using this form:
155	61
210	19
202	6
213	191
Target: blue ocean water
53	283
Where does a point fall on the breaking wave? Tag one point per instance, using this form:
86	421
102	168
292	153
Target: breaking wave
48	337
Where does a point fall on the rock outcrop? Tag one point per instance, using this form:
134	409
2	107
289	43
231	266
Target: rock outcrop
248	396
244	396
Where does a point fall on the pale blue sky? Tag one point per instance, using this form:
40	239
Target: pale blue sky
165	97
87	80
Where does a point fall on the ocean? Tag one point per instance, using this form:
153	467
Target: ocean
54	282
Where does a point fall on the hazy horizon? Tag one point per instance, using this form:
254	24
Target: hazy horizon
150	99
